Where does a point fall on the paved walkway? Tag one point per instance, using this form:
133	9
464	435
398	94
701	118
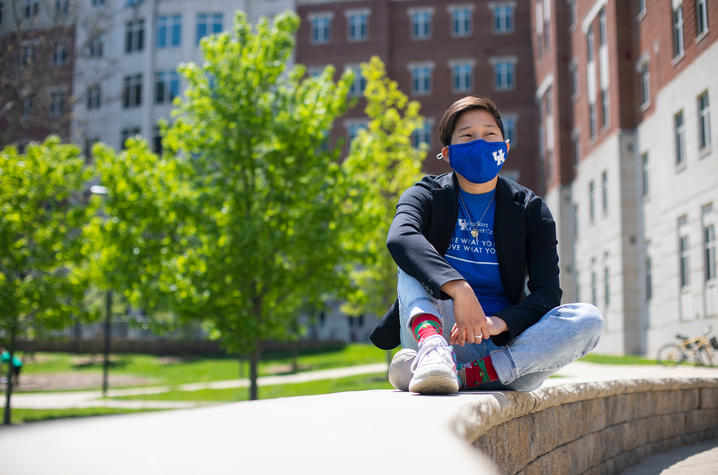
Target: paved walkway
76	399
313	427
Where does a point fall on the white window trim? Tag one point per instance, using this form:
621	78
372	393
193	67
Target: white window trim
410	12
591	15
357	11
461	62
491	7
421	64
464	6
644	59
318	16
513	143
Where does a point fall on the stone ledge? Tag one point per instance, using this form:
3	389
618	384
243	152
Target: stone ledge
590	427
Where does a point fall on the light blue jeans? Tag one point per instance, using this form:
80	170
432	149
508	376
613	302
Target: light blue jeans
564	334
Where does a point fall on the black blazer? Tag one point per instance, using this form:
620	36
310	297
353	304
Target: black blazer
525	235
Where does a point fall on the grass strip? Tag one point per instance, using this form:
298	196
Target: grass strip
618	360
325	386
35	415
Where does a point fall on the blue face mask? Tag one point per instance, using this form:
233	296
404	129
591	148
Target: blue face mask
478	161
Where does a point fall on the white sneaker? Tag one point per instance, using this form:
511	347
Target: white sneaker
400	372
434	368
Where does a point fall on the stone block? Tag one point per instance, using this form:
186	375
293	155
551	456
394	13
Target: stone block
587	452
620	408
709	398
691	399
611	441
644	403
667	402
626	459
635	434
544	434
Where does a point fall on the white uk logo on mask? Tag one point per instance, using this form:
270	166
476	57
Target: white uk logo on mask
499	157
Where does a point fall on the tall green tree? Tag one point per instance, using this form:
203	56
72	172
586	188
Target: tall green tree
264	239
383	163
43	206
132	241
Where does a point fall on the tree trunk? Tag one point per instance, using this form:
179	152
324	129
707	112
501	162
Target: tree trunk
8	388
253	364
295	353
108	329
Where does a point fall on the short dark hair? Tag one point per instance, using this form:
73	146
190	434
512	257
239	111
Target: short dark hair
448	121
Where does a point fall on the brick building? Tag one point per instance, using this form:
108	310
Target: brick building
624	92
36	66
437	52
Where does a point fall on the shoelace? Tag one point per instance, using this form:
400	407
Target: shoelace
425	351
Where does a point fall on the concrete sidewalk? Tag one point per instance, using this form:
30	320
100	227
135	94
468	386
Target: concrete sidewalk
77	399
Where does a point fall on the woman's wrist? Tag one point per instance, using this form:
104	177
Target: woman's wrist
454	288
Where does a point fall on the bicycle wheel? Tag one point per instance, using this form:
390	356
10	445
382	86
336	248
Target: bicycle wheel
703	357
670	354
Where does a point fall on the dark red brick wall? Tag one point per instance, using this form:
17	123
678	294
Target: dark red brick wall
390	38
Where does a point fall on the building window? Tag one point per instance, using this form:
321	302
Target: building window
594	289
604	191
704	122
589	44
208	24
503	19
132	91
32	7
649	278
422	135
510	129
359	84
134	35
591	202
641	8
59	55
462	73
98	3
576	138
571	14
353	128
679	132
461	21
28	55
358	24
96	47
575	220
606	284
604	109
709	252
27	103
166	86
421	23
57	103
94	97
602	27
169	31
645	84
2	6
127	133
701	17
644	173
421	78
592	120
684	260
504	74
320	28
157	140
678	46
573	79
62	7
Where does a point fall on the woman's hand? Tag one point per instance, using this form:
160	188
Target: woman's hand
472	325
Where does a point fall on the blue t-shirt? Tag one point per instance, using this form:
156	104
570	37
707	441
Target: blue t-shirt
475	257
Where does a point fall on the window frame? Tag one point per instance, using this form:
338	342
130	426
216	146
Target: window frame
704	122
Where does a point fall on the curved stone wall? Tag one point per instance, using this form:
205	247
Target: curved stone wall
596	427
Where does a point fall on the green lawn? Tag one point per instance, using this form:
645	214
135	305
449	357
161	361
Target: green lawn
325	386
34	415
621	360
179	370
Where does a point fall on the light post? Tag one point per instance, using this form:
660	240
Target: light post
101	190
